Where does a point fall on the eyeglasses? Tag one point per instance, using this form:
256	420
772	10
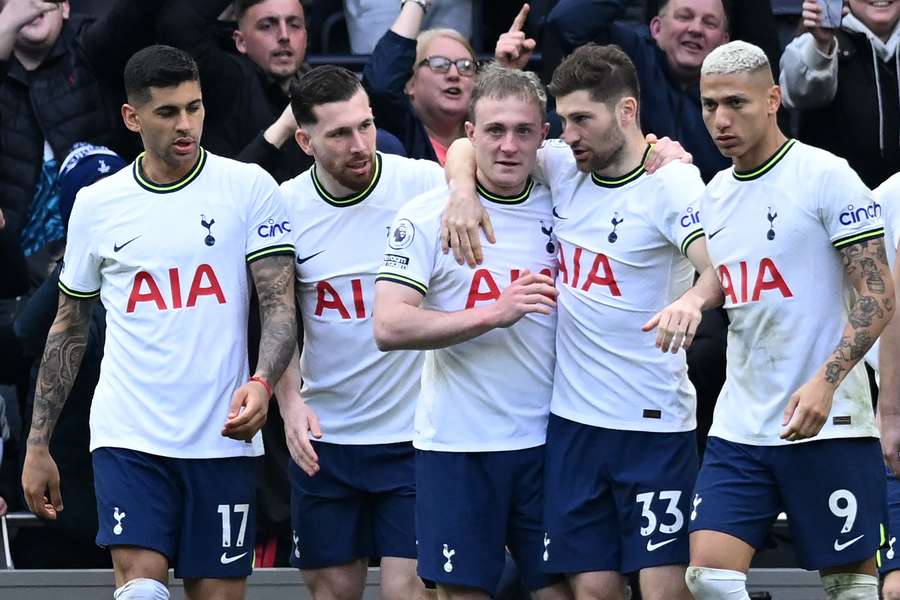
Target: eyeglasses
441	64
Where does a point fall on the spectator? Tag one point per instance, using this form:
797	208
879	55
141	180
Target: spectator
246	95
419	83
61	83
14	281
845	83
367	20
667	60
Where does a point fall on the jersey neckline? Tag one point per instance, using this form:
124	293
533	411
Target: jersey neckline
627	177
767	164
507	200
352	199
160	188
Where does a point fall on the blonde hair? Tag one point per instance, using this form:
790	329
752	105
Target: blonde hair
733	58
429	35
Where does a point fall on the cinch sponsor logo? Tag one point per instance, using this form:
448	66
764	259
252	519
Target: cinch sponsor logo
271	228
690	219
862	213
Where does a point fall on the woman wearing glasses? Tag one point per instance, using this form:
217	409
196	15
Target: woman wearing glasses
419	83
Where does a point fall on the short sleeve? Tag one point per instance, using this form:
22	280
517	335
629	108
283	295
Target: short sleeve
554	161
682	191
80	276
410	252
269	224
848	210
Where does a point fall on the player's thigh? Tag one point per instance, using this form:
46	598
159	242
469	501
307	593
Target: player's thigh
218	532
399	580
330	515
526	539
736	499
561	590
664	583
599	585
215	589
580	519
132	562
462	505
652	481
139	506
836	501
338	582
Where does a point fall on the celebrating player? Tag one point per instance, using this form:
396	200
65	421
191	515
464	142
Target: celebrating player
165	245
353	491
792	232
481	418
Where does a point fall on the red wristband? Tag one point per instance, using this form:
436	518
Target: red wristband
263	383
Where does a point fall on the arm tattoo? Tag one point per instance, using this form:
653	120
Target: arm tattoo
59	366
274	278
866	266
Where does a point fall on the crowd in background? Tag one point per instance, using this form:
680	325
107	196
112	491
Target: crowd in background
60	129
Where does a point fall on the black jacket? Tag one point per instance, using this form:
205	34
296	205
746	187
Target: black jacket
75	95
860	124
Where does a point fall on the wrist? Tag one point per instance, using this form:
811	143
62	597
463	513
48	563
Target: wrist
258	379
423	4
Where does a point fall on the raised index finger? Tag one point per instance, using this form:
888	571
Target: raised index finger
519	22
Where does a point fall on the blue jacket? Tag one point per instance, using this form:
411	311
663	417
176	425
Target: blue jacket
667	109
384	77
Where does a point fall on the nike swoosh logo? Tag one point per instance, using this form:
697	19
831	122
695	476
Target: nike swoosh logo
556	214
225	559
715	233
303	259
839	546
651	546
117	247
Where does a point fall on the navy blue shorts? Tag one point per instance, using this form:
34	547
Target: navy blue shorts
616	500
199	513
889	556
471	506
360	504
833	492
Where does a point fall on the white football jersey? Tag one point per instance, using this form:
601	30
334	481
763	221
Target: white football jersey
622	260
361	395
492	392
773	237
169	262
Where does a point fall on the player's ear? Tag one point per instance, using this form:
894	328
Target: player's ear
626	110
774	99
130	117
544	131
302	137
470	131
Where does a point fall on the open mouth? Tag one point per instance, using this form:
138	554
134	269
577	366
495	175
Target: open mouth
184	145
881	3
283	55
453	92
359	167
691	46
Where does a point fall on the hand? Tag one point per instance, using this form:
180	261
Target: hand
40	483
807	410
460	224
513	49
247	412
18	13
664	151
890	441
677	324
2	220
299	421
283	129
530	293
812	16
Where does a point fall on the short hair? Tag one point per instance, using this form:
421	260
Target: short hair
664	8
735	57
423	41
239	7
157	66
497	82
328	83
605	72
